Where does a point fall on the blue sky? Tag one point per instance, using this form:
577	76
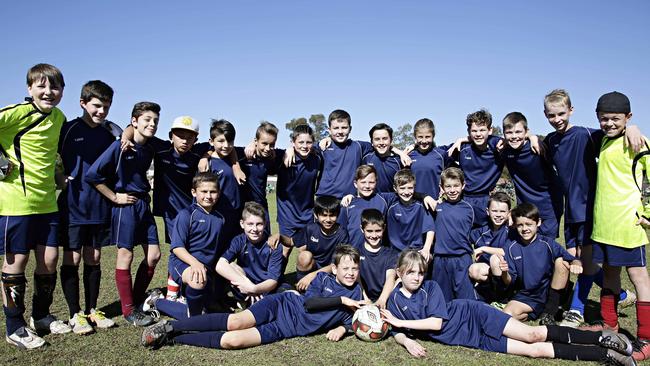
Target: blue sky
382	61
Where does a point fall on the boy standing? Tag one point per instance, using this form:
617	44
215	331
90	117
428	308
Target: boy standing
383	159
29	135
82	207
132	222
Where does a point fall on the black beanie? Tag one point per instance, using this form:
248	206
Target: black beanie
613	102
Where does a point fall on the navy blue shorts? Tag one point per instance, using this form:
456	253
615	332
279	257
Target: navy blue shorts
133	225
536	300
92	235
617	256
577	234
549	227
20	234
450	272
176	267
493	323
479	203
271	321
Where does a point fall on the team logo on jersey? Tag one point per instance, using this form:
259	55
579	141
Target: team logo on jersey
201	220
517	257
351	206
467	157
414	160
511	156
78	139
219	172
314	239
363	258
130	157
373	164
398	214
328	290
405	307
166	161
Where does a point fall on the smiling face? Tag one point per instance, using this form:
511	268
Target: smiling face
222	146
412	277
527	228
346	271
183	140
516	135
613	124
145	125
558	115
373	232
46	95
498	213
423	139
366	186
340	130
206	194
405	191
452	189
381	142
95	111
478	134
265	144
326	219
253	227
303	144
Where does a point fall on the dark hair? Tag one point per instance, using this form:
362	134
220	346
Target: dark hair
343	250
97	89
252	208
409	258
512	118
480	118
372	216
222	127
403	176
45	71
501	197
301	129
379	127
143	107
339	114
452	173
267	128
323	204
527	210
205	177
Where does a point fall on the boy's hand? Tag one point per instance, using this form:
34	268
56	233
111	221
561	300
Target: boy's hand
239	174
389	318
575	267
245	286
644	222
353	304
305	281
249	150
289	157
478	252
253	299
126	145
536	145
500	145
634	138
124	199
336	334
273	241
407	150
325	143
415	348
456	146
198	273
425	253
381	302
345	201
430	203
204	163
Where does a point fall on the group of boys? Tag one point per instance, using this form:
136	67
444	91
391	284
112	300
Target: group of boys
365	194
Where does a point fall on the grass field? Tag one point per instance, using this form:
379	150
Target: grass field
121	345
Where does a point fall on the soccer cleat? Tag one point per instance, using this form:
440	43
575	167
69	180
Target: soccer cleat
25	338
615	341
641	350
139	318
80	325
99	318
628	301
150	302
572	319
155	336
598	327
50	324
547	319
616	358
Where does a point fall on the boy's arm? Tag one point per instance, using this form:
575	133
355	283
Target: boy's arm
428	243
304	282
236	169
404	157
198	271
489	250
336	334
227	271
389	284
99	172
430	323
413	347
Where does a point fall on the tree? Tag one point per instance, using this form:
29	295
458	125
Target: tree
496	131
403	136
316	122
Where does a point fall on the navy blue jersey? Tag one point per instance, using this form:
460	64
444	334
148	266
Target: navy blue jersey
79	146
340	163
198	232
407	225
229	199
295	190
427	169
531	265
533	177
257	171
259	261
386	167
482	169
127	169
320	245
574	156
453	223
173	174
350	217
373	269
464	322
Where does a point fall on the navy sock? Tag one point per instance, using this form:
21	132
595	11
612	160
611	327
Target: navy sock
201	323
92	281
70	286
195	300
43	294
203	339
174	309
553	301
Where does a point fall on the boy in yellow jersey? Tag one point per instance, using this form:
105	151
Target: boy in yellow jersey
620	218
29	135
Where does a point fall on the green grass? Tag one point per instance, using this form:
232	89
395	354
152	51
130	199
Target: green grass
121	345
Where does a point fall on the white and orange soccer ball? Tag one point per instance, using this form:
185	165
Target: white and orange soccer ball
368	325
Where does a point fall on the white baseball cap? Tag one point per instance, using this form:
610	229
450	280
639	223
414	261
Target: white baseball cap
186	123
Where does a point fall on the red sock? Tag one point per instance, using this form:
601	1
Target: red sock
142	280
608	309
124	289
172	288
643	319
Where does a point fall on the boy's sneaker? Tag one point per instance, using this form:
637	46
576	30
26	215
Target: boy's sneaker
155	336
619	358
150	302
80	325
615	341
139	318
99	318
25	338
572	319
50	324
628	301
547	319
641	350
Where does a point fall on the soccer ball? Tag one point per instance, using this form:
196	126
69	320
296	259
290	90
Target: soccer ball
4	166
368	325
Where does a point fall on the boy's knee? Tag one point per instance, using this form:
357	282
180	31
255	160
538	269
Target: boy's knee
230	342
196	285
478	272
305	260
